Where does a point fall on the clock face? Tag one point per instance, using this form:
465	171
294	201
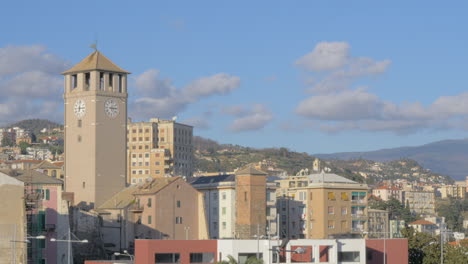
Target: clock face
80	108
111	108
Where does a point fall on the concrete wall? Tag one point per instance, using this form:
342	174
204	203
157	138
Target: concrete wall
12	220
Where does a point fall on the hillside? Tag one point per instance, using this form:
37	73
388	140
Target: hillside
35	125
211	156
448	157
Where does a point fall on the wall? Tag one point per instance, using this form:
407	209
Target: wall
145	250
396	251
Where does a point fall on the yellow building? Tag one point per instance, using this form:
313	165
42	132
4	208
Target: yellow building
321	206
158	148
455	191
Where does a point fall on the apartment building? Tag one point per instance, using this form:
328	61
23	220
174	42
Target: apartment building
386	193
321	206
158	148
240	205
455	191
378	224
420	202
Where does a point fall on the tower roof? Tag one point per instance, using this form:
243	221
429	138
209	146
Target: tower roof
95	61
250	171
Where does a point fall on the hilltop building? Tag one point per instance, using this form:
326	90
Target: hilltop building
321	206
95	98
420	202
386	193
378	224
455	191
158	148
240	205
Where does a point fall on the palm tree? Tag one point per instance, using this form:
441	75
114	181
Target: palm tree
231	260
254	260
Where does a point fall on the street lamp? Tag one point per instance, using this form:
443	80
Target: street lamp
69	241
125	253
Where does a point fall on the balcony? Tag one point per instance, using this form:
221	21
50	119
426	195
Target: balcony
358	215
360	201
357	229
136	208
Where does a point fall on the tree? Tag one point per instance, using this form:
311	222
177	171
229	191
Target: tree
231	260
254	260
24	146
422	247
455	254
7	142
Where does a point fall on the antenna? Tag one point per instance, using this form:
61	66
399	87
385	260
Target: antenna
94	45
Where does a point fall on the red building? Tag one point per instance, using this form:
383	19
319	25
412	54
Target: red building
395	251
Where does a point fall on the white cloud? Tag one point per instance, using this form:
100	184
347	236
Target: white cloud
159	97
335	105
325	56
254	118
30	84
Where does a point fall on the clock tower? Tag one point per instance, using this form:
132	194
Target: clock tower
95	130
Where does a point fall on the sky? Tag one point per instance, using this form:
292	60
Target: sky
311	76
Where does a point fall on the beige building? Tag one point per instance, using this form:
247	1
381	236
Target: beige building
95	130
420	202
378	224
12	221
320	206
455	191
386	193
158	148
239	205
161	208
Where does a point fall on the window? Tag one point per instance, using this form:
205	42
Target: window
331	210
101	81
344	225
215	225
344	210
331	224
178	220
178	204
331	196
157	172
223	195
149	202
47	194
146	155
201	257
224	225
302	196
87	82
134	172
245	196
157	163
79	138
352	256
119	83
74	81
344	196
149	219
111	80
79	122
223	211
167	258
84	185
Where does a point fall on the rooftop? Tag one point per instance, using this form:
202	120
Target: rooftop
95	61
250	170
422	222
328	178
121	199
31	176
155	185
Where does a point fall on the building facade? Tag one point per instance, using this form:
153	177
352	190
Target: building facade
321	206
455	191
240	205
158	148
95	100
386	193
420	202
378	224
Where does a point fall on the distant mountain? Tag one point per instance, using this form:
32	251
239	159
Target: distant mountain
448	157
35	125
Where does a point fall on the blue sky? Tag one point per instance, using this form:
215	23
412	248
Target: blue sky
313	76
